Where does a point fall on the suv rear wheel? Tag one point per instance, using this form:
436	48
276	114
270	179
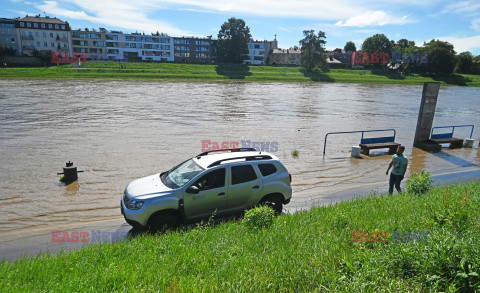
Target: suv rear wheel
274	202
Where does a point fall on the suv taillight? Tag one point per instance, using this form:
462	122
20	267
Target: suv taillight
290	177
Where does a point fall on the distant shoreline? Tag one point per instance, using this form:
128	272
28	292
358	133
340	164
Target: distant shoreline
219	73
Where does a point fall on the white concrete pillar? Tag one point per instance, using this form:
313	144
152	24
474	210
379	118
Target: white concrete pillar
468	143
355	151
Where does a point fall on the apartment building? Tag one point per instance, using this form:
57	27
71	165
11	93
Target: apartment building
138	47
258	51
42	33
8	34
92	42
284	57
195	50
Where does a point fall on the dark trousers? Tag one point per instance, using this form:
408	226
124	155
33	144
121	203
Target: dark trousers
395	180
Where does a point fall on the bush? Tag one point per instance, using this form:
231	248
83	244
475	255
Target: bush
419	183
259	217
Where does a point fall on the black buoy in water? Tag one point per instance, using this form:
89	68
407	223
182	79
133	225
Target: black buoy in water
70	173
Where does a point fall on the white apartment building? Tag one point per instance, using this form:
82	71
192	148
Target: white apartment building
42	33
258	51
139	47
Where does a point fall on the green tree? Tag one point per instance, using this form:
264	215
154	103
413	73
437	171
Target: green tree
233	40
414	66
313	51
404	43
45	56
465	63
441	58
377	43
350	46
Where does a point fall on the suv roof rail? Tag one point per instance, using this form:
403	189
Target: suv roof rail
231	150
247	158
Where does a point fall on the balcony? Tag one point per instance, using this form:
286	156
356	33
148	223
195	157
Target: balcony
64	39
27	37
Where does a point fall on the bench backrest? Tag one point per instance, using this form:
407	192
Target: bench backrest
378	139
441	135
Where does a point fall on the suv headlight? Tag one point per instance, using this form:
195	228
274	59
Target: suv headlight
135	204
132	204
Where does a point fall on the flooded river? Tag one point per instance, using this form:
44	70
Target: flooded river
117	131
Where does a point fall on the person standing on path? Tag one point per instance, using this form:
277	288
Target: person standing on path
399	163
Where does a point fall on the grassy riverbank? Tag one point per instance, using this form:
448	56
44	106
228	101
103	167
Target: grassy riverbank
212	73
307	251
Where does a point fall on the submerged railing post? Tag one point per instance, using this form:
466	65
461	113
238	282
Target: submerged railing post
357	131
453	128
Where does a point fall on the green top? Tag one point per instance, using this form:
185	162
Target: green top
399	164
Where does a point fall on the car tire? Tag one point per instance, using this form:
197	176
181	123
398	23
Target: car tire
164	221
274	202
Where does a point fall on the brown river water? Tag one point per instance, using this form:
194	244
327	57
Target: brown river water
117	131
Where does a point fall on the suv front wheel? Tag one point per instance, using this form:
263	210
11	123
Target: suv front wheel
164	221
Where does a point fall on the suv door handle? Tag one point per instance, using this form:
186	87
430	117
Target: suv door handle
221	194
256	187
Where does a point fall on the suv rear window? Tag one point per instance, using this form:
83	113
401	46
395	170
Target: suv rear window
243	173
267	169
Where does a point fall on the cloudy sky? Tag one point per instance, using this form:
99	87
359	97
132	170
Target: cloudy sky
342	20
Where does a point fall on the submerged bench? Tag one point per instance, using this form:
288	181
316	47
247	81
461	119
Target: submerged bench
446	138
387	142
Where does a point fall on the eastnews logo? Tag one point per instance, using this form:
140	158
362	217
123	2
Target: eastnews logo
83	236
264	146
381	57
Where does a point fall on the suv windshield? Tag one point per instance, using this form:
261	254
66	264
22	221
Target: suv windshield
181	174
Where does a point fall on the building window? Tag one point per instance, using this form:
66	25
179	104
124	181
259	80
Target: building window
63	26
36	34
29	24
22	24
56	26
50	26
53	44
38	44
45	44
51	35
35	25
23	34
43	25
44	35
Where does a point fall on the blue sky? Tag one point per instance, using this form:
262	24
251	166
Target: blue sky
342	20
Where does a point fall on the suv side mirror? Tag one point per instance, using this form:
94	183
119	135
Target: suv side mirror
193	189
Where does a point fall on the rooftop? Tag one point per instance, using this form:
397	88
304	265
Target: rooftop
286	51
38	18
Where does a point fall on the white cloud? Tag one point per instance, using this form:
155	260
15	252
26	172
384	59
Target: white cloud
125	14
284	29
476	24
467	6
463	44
373	18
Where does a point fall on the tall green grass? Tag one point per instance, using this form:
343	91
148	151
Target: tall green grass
213	73
304	252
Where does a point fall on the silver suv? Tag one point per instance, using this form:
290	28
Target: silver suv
220	182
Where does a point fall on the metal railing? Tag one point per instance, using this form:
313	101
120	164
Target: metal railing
453	129
357	131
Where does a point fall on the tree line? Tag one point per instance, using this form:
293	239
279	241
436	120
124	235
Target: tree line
234	36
